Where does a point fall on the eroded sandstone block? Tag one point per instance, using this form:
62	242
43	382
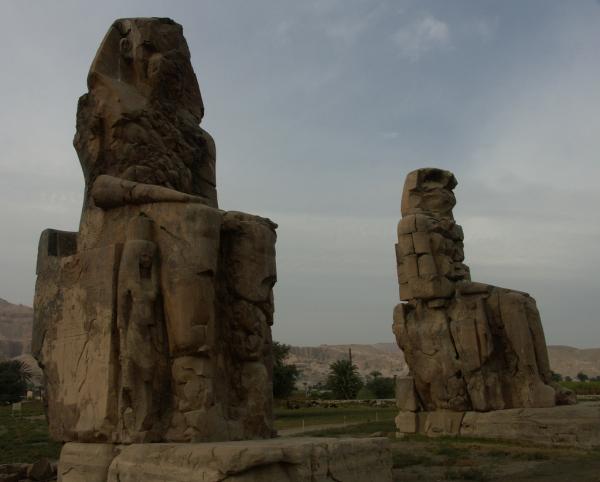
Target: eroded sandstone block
570	426
562	426
153	321
406	422
87	462
469	346
281	460
406	396
442	422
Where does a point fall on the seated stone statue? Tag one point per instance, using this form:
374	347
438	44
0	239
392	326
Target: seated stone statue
469	346
153	321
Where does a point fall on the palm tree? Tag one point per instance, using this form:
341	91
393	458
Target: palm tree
14	379
343	379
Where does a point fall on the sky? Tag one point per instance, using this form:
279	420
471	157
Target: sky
319	109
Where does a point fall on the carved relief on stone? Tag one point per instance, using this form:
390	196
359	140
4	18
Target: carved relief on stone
142	338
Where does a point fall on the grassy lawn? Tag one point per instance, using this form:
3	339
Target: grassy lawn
583	388
418	458
292	418
24	438
24	435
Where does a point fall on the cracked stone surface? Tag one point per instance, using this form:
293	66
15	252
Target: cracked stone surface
469	345
571	426
281	460
140	119
153	321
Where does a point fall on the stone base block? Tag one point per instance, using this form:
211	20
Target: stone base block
406	422
443	422
406	397
275	460
567	425
89	462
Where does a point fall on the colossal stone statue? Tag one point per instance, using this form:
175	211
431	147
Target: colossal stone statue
153	321
469	346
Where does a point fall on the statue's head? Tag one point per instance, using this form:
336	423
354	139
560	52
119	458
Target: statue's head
429	190
140	119
151	56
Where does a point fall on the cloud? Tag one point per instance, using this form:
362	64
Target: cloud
484	29
422	36
347	30
322	7
316	128
283	30
325	282
389	135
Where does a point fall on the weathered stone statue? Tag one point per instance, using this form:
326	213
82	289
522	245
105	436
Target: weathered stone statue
469	346
152	323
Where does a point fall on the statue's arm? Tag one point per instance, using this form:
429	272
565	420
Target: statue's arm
110	192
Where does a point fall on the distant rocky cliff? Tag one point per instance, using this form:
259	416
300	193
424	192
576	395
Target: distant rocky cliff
388	359
314	361
567	360
15	329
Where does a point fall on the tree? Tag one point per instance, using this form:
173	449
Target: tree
284	375
343	380
14	377
556	377
582	377
381	387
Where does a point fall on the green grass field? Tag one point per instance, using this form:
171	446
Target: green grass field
24	435
583	388
24	438
417	458
292	418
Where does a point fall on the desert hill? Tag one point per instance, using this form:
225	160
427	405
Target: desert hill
387	358
314	361
15	341
15	329
567	360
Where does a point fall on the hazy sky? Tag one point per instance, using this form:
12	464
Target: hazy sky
319	108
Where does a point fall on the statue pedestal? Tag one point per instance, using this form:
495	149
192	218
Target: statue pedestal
153	324
565	425
275	460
